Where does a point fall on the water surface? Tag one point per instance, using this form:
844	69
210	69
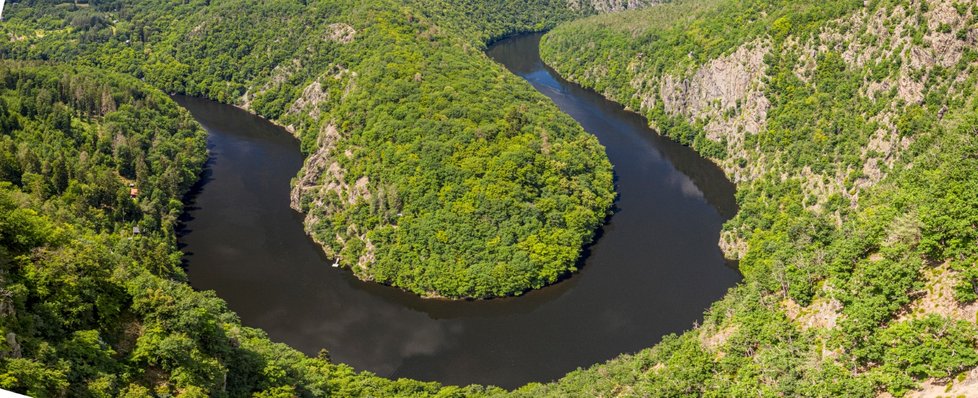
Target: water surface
654	270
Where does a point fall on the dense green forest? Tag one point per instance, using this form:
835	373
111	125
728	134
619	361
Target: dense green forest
849	127
430	168
91	308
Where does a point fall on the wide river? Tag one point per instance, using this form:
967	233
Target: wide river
654	270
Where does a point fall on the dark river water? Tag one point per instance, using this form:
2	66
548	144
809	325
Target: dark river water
654	270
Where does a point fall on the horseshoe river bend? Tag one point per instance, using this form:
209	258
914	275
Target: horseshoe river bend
653	270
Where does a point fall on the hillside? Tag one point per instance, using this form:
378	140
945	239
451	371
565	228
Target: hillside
77	282
429	167
92	308
850	129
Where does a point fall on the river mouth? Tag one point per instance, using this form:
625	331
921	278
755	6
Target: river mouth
654	270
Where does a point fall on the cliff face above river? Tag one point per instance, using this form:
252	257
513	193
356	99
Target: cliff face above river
724	93
604	6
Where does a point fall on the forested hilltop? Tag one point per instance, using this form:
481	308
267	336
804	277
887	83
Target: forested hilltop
851	130
429	167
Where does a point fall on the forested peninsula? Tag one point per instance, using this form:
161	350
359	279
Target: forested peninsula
850	128
429	167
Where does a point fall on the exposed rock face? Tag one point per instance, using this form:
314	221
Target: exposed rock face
728	93
726	96
341	33
610	5
893	43
717	85
316	165
317	92
713	339
937	297
323	176
823	313
368	256
966	387
311	96
14	349
279	75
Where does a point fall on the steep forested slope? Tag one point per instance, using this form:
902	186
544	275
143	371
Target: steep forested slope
73	141
429	168
91	308
850	128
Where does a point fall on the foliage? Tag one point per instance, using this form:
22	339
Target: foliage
863	252
90	309
455	178
91	312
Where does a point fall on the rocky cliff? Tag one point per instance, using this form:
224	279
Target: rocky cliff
907	53
604	6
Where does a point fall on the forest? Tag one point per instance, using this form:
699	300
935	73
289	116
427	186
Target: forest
853	145
92	308
429	167
97	158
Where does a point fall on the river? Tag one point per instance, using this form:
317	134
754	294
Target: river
653	271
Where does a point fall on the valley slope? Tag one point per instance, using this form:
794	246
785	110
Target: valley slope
850	129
